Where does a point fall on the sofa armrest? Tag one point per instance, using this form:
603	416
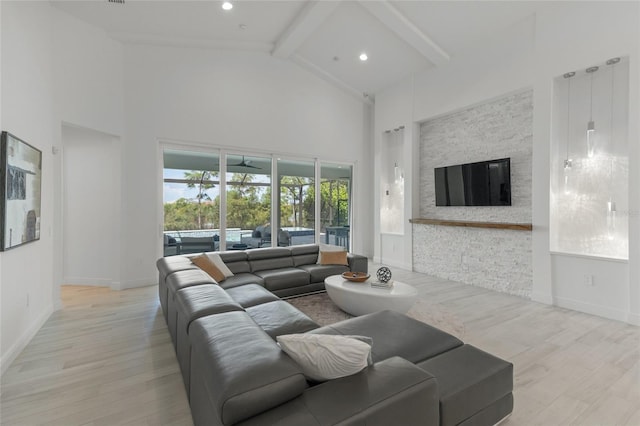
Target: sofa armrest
393	391
357	262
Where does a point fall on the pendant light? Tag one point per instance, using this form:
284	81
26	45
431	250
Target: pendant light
568	163
591	125
611	204
567	160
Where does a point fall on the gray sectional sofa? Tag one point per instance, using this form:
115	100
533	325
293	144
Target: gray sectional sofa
235	372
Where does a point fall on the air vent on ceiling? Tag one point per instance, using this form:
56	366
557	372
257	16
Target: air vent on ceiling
116	1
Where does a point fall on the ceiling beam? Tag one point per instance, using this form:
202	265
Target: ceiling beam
307	21
330	78
406	30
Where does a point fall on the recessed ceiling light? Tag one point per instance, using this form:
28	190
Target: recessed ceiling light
363	57
227	5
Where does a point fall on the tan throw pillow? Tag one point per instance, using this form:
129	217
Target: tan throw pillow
326	248
203	262
217	260
333	258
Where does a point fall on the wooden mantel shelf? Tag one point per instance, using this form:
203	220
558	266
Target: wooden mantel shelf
493	225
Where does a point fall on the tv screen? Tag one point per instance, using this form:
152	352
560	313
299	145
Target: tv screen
486	183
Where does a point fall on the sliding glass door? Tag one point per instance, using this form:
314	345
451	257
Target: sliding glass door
335	204
248	183
191	199
296	220
214	200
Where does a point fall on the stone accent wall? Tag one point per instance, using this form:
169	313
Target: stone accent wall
492	258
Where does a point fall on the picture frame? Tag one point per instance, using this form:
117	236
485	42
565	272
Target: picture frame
20	192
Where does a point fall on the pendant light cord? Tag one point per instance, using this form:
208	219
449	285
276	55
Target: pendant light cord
568	115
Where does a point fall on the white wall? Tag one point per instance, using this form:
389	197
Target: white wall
55	69
27	99
91	207
599	31
238	99
89	94
564	36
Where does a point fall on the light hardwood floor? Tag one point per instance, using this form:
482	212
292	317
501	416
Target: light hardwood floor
107	359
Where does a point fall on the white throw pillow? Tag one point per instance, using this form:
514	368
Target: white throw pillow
217	260
324	356
328	247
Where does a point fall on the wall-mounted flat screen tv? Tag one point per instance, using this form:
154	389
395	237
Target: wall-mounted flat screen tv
486	183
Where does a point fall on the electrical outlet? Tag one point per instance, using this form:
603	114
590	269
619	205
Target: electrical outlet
588	280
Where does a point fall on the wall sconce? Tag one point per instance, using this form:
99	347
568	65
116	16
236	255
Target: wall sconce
591	125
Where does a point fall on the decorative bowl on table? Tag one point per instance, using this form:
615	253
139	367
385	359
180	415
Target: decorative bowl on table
357	277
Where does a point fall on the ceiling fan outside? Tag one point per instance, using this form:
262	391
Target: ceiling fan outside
246	164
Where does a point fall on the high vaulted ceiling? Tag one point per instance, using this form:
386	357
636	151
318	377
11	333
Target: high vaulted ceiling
326	37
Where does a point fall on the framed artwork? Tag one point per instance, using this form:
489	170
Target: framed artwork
20	192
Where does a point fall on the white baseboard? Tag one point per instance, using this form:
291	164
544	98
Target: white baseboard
633	319
590	308
97	282
24	340
542	298
135	283
401	265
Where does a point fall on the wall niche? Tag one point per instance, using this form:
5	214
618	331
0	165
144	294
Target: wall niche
589	200
392	182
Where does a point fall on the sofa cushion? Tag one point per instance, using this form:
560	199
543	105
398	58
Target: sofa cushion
187	278
244	373
470	380
279	317
305	254
242	278
319	272
203	262
171	264
202	300
251	294
236	261
325	357
395	334
277	279
269	258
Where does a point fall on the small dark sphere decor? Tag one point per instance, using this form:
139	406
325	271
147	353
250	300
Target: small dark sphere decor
384	274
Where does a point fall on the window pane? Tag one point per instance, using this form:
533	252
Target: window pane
335	190
191	199
248	202
297	202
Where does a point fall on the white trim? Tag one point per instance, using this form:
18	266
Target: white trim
12	353
330	78
406	30
590	308
97	282
312	16
542	298
401	265
590	256
633	319
190	42
148	282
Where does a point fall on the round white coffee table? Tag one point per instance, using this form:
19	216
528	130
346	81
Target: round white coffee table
361	298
